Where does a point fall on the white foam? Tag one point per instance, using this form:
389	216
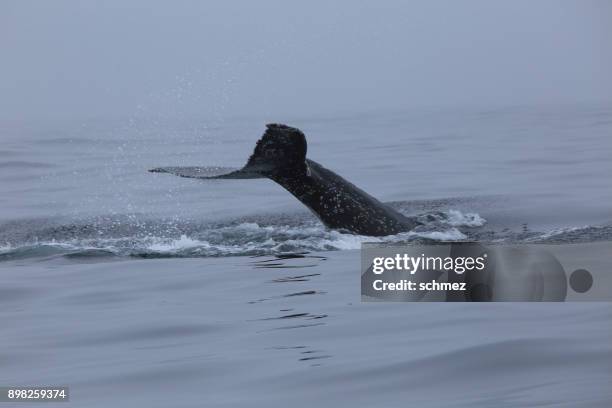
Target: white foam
458	219
250	237
182	243
451	234
560	231
338	240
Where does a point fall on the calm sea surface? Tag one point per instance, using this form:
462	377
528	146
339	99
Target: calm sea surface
141	289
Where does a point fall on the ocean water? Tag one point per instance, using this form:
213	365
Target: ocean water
141	289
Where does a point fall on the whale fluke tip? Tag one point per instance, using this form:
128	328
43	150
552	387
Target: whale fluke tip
279	146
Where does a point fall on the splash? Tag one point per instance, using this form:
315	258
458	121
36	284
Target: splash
135	237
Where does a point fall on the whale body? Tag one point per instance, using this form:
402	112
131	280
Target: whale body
280	155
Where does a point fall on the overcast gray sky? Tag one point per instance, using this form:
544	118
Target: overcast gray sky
82	59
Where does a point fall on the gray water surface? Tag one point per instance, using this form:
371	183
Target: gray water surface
264	309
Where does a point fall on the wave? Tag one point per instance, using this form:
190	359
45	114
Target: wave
140	237
134	236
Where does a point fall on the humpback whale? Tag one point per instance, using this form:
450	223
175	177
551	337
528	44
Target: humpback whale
280	155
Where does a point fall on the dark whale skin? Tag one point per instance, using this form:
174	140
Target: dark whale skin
340	204
280	155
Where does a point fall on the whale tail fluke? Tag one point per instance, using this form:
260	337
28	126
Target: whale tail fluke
281	147
280	155
209	173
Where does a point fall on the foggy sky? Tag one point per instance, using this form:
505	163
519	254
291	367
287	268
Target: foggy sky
83	59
